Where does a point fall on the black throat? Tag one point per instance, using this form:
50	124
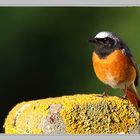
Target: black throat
103	52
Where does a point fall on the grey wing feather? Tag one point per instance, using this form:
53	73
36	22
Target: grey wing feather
137	73
127	52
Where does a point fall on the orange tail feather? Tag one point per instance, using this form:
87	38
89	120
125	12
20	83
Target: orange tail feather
131	94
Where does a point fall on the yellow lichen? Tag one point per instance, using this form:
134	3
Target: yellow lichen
79	114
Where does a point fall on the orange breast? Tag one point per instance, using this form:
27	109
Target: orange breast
115	69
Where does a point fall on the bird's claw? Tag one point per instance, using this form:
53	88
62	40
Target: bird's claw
104	94
123	96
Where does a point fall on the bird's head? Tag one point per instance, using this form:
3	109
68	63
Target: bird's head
105	42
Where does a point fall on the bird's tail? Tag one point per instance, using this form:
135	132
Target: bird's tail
132	95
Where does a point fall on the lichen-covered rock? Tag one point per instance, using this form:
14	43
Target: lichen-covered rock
77	114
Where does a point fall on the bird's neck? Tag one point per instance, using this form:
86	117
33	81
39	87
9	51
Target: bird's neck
104	52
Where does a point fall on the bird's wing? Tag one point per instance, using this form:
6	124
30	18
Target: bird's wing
126	51
136	67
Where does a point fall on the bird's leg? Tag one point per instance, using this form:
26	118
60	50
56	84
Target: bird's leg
104	94
125	92
123	96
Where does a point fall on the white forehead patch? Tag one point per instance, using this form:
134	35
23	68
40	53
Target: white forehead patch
102	35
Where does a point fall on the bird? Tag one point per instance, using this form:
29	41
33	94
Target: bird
114	64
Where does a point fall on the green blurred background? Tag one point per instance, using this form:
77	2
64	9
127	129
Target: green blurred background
44	52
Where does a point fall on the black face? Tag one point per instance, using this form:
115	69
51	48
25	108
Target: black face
103	46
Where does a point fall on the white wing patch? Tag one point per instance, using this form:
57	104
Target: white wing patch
102	35
123	51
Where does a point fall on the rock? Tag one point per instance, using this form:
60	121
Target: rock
77	114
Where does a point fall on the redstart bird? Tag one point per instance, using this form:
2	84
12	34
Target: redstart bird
114	64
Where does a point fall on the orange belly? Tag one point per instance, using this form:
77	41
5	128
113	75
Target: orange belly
115	70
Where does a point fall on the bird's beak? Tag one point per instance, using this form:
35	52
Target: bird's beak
92	40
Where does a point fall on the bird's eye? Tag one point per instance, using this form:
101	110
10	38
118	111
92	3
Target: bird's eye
105	39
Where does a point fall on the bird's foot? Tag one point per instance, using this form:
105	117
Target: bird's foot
104	94
123	96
